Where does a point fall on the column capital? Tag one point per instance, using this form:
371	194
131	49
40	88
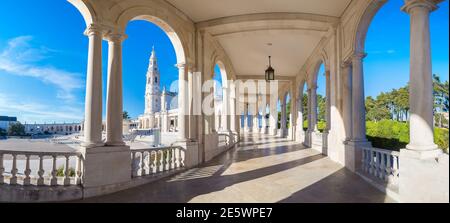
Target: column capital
180	65
94	29
312	87
431	5
358	55
115	37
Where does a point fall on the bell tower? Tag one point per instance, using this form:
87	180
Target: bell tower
152	90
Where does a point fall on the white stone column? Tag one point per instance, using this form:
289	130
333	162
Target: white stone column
358	105
327	102
299	125
423	168
183	125
283	120
347	100
114	101
246	124
255	123
226	100
93	102
273	116
264	120
292	115
420	82
233	116
312	108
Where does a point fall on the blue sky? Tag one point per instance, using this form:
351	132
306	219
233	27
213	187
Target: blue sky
43	57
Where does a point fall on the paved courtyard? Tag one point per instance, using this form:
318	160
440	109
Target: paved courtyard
261	169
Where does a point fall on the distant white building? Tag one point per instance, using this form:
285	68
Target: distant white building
6	121
55	128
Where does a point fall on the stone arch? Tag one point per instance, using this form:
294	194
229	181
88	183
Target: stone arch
172	28
314	73
86	10
363	23
223	71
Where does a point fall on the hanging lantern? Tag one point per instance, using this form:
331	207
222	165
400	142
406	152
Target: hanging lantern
270	72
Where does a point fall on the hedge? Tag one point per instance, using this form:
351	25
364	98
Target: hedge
394	135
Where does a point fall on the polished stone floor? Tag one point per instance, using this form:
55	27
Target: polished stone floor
261	169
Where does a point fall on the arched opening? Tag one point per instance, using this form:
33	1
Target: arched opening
387	105
151	50
220	106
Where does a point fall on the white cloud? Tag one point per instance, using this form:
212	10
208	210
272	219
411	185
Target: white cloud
18	59
39	112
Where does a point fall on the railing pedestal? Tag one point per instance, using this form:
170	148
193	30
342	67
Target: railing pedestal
423	176
105	168
353	153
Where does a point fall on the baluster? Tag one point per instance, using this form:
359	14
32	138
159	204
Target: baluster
371	161
375	164
151	164
395	169
79	169
67	172
173	159
363	160
177	157
143	166
154	157
13	179
54	179
388	167
164	160
158	160
2	169
134	171
382	166
168	158
181	157
27	179
41	171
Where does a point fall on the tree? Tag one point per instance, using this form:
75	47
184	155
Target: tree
441	100
3	132
16	129
321	105
376	110
125	115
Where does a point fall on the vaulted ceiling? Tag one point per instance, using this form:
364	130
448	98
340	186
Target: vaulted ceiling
246	28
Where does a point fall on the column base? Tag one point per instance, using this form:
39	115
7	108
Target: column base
92	144
423	152
105	169
115	144
424	176
353	153
273	132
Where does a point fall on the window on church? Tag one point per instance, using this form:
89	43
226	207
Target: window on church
156	80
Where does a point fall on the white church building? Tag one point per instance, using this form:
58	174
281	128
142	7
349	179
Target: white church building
161	107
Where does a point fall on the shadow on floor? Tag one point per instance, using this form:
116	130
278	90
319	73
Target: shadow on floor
340	186
173	190
337	188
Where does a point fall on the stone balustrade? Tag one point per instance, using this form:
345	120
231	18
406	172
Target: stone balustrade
381	164
224	139
155	161
28	176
